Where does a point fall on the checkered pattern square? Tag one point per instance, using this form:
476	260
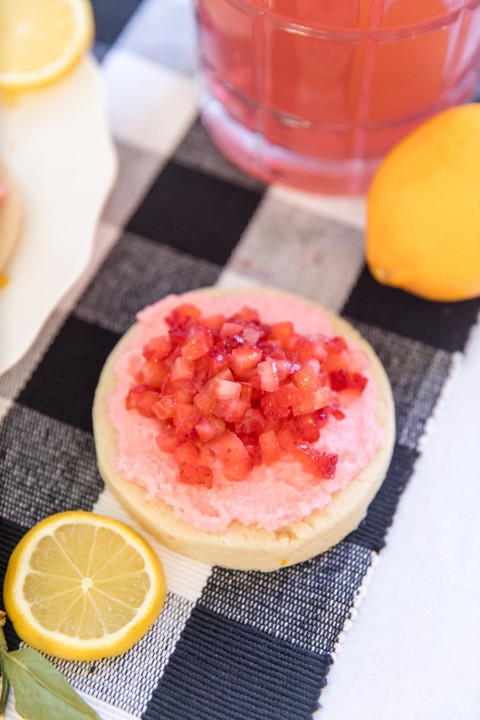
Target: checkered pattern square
305	604
136	273
327	256
128	682
197	152
137	170
47	466
161	31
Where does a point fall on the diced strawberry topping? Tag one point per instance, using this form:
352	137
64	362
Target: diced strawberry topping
198	342
306	380
269	447
233	455
282	331
196	474
226	389
335	344
269	380
344	380
183	313
168	439
208	429
142	399
157	348
230	328
244	359
235	392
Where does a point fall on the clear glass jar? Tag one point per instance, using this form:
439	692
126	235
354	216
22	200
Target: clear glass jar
313	93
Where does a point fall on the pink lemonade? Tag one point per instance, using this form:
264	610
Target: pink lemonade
313	93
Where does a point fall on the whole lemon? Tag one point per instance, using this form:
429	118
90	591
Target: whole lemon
423	209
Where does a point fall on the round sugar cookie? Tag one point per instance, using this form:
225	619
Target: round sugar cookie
249	547
10	214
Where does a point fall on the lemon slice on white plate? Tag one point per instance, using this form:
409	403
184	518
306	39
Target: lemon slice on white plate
42	40
81	586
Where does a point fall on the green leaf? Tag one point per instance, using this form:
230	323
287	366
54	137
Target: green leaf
5	685
5	688
41	692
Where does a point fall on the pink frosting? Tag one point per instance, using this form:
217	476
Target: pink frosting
269	497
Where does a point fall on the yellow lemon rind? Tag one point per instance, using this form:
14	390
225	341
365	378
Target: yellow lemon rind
423	221
14	80
72	648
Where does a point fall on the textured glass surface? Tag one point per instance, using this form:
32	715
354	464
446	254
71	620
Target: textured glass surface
314	92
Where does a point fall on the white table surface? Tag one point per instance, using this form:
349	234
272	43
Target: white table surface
414	649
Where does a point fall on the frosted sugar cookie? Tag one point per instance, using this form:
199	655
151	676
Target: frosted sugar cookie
249	429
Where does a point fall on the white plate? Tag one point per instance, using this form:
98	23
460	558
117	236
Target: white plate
57	142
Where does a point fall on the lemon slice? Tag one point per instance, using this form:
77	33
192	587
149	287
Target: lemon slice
41	40
81	586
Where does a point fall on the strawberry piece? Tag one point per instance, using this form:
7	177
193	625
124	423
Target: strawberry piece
230	328
205	402
214	322
345	380
283	367
304	347
141	399
157	348
322	464
250	443
153	373
186	453
306	427
306	380
167	439
321	397
192	474
208	429
234	458
251	335
183	369
245	316
326	464
164	408
269	447
281	331
244	359
177	334
286	395
198	343
246	392
185	417
217	359
337	413
252	423
268	372
183	313
303	404
335	344
272	406
358	381
321	416
231	411
226	389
